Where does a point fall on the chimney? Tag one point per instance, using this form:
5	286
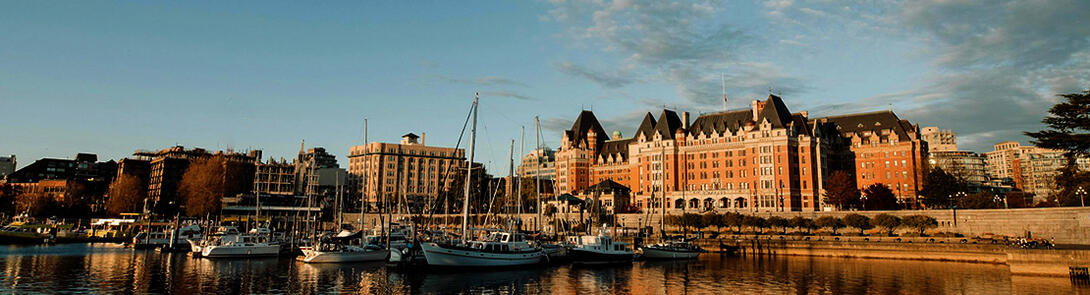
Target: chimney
423	138
755	109
685	120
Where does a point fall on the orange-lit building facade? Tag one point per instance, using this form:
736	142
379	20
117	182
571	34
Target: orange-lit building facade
764	158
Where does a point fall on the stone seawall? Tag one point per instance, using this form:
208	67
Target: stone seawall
1068	225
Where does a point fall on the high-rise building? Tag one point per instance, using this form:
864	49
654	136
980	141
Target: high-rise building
762	158
939	140
966	165
539	163
1030	168
7	166
409	170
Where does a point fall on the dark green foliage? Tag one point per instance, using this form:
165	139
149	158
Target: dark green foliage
887	222
780	222
1068	130
829	222
940	189
880	197
920	222
802	223
858	221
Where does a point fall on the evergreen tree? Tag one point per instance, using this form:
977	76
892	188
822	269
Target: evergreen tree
1068	130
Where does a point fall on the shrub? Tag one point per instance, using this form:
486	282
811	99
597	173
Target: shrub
920	222
858	221
829	222
887	222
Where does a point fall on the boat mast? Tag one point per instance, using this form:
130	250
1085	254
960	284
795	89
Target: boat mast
537	172
518	190
662	216
469	168
363	185
511	183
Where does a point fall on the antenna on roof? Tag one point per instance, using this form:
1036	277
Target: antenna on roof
723	79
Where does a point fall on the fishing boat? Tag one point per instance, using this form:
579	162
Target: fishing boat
229	242
599	249
492	249
671	250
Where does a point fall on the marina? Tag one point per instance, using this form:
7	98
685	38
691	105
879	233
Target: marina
109	268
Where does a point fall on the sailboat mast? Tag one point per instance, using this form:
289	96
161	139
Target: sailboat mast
537	171
469	168
363	184
662	216
511	181
522	151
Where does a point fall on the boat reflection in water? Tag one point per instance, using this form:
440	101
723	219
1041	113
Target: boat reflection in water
111	268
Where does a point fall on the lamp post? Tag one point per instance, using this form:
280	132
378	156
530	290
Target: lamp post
1082	196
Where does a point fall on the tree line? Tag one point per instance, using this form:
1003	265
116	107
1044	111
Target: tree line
743	223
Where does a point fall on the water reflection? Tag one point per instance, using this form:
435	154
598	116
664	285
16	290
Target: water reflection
107	268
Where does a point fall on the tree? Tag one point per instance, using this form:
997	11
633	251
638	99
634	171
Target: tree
887	222
802	223
37	204
780	222
939	188
880	197
1017	199
858	221
840	190
713	219
1068	130
127	194
691	220
829	222
733	219
980	200
754	222
920	222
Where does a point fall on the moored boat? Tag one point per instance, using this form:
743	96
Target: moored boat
671	250
495	250
228	242
599	249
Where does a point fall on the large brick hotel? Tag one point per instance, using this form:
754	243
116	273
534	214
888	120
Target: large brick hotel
764	158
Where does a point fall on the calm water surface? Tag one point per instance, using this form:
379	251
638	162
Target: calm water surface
111	269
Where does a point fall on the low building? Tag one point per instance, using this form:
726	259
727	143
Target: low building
7	166
613	197
275	177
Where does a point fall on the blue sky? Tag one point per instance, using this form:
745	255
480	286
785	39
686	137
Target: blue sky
112	77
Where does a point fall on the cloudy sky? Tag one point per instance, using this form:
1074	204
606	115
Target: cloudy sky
113	77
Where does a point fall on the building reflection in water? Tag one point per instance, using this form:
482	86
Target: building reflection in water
107	268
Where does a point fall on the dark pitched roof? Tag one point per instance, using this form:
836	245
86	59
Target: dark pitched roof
872	121
719	122
409	135
775	112
586	121
616	147
646	127
667	124
607	186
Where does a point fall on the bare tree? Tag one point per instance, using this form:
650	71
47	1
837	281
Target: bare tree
127	194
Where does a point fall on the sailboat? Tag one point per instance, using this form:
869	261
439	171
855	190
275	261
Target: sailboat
681	249
339	248
493	249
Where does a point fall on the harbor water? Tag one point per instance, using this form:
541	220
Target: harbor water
113	269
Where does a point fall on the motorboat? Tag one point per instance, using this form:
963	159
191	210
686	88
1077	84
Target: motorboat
495	249
229	242
671	250
339	248
157	239
599	249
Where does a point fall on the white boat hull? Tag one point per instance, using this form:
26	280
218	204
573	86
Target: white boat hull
440	256
312	256
652	253
239	251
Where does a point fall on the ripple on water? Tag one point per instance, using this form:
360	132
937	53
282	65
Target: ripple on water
108	268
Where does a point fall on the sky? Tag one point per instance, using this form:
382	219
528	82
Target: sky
112	77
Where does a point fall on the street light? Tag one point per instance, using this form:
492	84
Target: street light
1082	196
